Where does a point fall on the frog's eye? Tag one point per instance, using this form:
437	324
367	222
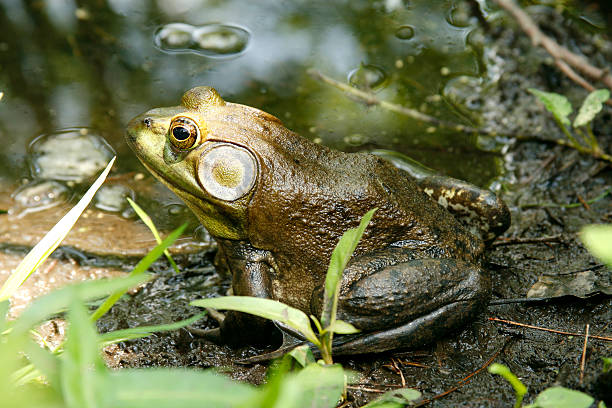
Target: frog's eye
184	133
227	172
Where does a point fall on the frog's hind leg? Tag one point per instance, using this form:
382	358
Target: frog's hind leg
408	303
479	210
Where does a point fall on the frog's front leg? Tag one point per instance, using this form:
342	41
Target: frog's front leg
400	302
250	269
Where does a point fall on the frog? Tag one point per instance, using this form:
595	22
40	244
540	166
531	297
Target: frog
277	203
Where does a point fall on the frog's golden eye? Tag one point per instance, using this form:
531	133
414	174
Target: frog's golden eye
184	133
227	172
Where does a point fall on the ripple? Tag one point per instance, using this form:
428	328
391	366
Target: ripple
210	40
39	195
70	155
405	32
367	77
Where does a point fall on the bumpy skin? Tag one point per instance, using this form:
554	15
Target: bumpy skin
415	274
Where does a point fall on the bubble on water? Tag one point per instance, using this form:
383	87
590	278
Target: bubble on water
39	195
356	139
210	40
405	32
112	197
221	39
458	16
175	36
367	77
70	155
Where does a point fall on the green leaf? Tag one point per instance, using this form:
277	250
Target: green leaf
143	331
149	223
139	269
339	259
556	104
591	106
559	397
395	398
598	240
519	388
4	307
607	364
172	388
82	370
58	300
303	355
315	386
51	240
342	327
266	308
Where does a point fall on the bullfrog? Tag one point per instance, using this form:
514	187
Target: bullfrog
277	203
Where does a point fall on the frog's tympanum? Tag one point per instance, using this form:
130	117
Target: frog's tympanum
277	203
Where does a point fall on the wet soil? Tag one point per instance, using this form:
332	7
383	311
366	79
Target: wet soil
536	173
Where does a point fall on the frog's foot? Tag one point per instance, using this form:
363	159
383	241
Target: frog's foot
399	303
213	335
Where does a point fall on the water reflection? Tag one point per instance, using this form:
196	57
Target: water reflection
95	63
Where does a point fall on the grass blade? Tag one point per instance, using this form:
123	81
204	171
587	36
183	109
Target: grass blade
82	371
58	300
51	240
143	331
339	259
140	268
149	223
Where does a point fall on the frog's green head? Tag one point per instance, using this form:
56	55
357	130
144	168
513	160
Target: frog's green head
206	151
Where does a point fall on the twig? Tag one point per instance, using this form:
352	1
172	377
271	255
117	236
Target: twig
529	326
350	387
521	240
564	58
566	143
372	99
465	380
583	202
413	364
584	347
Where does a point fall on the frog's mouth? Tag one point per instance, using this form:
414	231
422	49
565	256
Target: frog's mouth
173	184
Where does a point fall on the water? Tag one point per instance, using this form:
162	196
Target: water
96	65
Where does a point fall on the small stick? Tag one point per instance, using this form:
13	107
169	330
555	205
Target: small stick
529	326
365	389
520	240
465	380
583	202
584	349
372	99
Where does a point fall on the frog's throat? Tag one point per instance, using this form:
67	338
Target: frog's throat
219	225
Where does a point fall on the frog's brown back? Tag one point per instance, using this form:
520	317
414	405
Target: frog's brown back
308	195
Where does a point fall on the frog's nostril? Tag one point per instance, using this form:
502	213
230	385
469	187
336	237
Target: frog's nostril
147	122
